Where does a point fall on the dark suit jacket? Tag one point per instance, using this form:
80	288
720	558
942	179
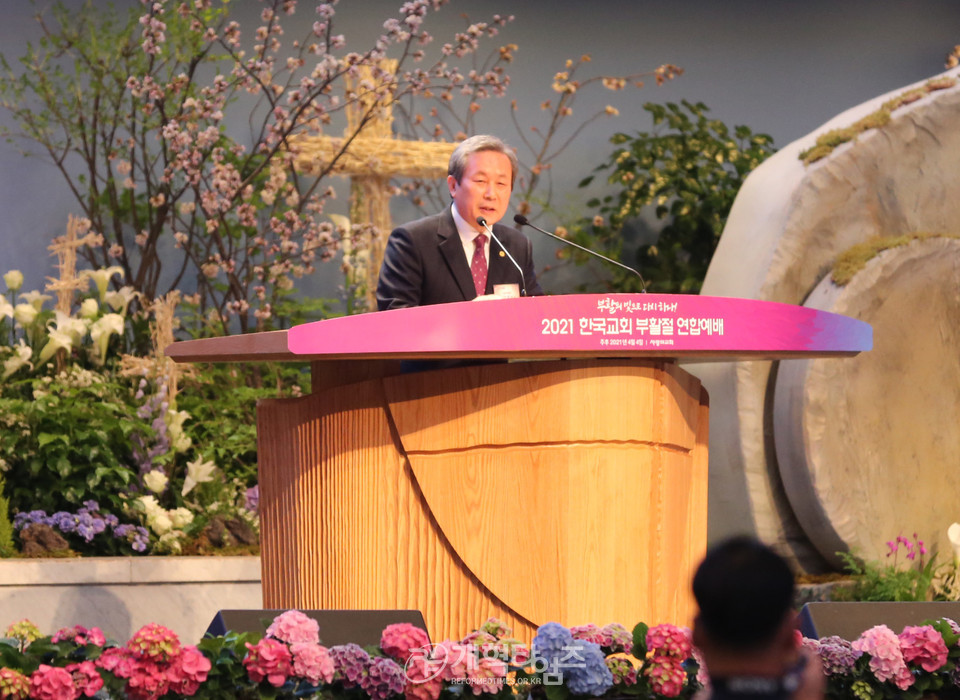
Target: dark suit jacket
424	263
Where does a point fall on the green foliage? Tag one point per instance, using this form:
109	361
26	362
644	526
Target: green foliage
221	401
640	640
67	439
875	581
690	170
6	527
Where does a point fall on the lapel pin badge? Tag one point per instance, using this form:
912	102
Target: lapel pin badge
502	254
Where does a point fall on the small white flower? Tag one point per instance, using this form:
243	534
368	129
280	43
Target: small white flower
181	517
25	314
6	309
150	506
89	308
155	480
160	523
179	441
14	280
198	472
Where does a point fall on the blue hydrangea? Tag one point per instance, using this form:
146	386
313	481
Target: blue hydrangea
550	642
586	672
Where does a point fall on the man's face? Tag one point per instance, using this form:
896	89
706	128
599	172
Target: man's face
485	187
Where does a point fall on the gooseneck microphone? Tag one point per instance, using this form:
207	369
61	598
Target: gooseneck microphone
523	282
521	220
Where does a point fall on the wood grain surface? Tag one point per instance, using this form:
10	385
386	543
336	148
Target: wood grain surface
568	491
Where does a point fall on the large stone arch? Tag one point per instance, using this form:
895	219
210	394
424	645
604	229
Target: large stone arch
788	225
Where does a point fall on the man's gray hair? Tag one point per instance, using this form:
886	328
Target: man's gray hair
480	142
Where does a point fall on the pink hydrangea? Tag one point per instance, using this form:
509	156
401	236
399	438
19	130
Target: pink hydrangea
80	635
294	626
424	678
85	678
400	639
666	675
622	669
14	685
455	659
924	646
589	632
148	681
669	640
498	628
119	661
312	661
886	657
154	642
269	659
487	675
187	670
52	683
617	638
479	638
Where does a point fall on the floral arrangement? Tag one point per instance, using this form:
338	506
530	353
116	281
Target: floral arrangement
289	661
880	663
97	455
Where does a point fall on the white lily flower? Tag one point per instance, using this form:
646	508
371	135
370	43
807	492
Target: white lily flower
155	480
102	329
76	328
55	341
6	308
953	534
35	299
25	314
198	472
89	308
21	357
101	277
13	280
120	300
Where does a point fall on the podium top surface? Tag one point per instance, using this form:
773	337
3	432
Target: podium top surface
671	326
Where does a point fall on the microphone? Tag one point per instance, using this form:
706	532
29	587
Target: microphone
521	220
523	282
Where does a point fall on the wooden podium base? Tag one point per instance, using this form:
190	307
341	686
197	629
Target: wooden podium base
567	491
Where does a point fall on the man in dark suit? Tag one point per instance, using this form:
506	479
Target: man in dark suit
449	256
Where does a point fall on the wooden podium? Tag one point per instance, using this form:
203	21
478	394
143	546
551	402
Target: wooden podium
571	489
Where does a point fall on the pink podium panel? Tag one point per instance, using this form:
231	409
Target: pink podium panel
587	325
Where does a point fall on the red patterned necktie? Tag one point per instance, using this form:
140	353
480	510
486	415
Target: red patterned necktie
478	266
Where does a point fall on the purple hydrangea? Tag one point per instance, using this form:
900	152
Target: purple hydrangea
86	523
837	655
349	663
253	498
383	679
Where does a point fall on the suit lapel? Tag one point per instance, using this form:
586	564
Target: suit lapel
452	251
